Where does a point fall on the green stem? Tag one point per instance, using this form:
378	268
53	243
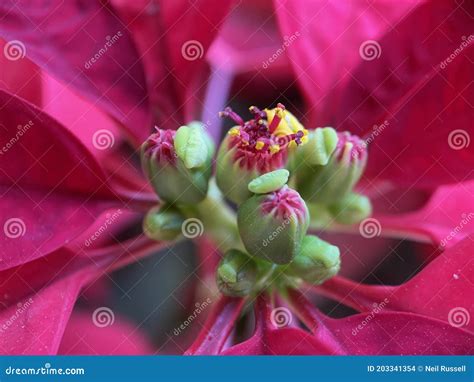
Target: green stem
219	220
261	284
321	219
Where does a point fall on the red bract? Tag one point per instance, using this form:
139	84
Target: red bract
81	34
441	287
172	38
82	337
56	173
367	69
70	117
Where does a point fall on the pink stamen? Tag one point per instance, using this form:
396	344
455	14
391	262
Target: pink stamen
228	112
257	146
257	113
276	118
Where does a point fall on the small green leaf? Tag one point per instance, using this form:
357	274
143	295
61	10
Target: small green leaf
269	182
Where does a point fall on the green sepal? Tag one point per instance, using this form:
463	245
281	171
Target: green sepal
179	185
236	274
231	178
332	182
317	261
319	147
163	223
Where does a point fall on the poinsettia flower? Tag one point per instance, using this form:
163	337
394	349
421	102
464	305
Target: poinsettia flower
67	170
73	171
379	97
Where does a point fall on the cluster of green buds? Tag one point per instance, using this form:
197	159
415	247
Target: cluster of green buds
178	165
280	178
327	170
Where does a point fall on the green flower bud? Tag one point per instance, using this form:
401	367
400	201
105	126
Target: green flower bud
178	163
317	261
321	144
328	184
255	147
163	223
352	209
273	225
236	274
